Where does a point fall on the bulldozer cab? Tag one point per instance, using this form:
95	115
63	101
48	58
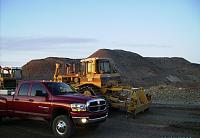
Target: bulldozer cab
99	72
96	66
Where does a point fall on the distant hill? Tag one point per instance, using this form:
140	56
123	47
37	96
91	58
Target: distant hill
134	69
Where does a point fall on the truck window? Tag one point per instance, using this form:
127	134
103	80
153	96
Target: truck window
59	88
38	90
23	91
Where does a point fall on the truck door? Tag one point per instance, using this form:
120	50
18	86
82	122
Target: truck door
21	101
40	100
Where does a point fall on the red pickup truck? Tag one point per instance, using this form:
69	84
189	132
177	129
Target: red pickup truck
56	102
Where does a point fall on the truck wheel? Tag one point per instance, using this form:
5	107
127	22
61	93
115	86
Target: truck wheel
62	126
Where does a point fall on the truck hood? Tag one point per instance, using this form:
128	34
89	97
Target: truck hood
72	98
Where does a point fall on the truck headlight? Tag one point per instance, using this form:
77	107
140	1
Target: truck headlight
78	107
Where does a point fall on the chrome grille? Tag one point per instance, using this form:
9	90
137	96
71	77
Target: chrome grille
96	105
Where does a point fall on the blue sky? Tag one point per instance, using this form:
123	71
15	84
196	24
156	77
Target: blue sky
33	29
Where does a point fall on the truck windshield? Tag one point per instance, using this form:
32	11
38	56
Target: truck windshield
59	88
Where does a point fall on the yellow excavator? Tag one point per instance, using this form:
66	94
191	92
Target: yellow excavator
99	77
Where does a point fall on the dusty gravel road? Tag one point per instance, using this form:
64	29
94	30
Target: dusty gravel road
159	122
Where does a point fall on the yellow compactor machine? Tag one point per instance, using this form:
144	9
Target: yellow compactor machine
98	77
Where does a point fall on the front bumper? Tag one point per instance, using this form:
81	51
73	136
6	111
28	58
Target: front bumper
91	118
81	120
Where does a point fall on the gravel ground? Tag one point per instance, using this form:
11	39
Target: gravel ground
166	94
159	122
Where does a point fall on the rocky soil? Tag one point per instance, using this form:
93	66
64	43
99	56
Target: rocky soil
167	94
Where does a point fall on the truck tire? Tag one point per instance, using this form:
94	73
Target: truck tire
62	126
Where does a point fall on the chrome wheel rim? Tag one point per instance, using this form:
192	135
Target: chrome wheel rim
61	127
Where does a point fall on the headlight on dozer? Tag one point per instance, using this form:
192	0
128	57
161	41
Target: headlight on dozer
78	107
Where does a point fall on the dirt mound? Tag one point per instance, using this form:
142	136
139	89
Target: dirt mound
43	69
146	71
136	70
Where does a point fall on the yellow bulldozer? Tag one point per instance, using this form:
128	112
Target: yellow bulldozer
99	77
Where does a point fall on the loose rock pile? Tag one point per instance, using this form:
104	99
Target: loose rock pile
167	94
